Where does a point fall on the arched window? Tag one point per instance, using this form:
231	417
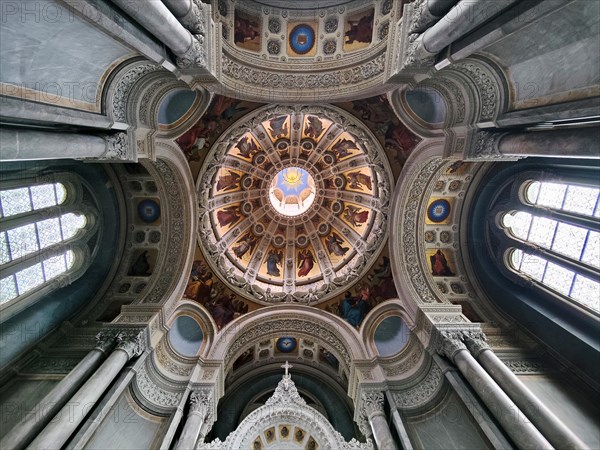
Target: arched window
43	232
554	239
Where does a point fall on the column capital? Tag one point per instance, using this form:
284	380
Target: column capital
132	343
486	146
200	402
117	146
449	343
371	403
194	19
475	342
195	56
105	342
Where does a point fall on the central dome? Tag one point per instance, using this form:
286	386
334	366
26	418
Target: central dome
294	203
292	191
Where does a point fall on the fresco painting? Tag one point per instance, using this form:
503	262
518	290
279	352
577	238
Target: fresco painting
441	262
247	31
227	180
206	289
358	31
359	180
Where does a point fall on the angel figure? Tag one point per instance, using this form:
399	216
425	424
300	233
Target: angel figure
227	182
342	148
274	259
245	244
306	262
314	127
334	245
358	180
278	128
355	216
228	215
246	147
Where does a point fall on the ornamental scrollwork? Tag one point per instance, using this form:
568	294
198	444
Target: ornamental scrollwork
422	392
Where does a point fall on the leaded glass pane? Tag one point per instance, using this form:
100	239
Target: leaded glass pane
533	266
569	240
22	240
61	193
15	201
71	224
542	231
30	278
552	195
43	196
49	232
532	192
581	200
8	289
4	254
586	292
518	223
54	266
591	254
558	278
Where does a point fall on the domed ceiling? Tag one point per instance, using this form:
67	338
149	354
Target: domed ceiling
294	203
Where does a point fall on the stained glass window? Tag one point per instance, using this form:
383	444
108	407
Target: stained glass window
569	253
36	251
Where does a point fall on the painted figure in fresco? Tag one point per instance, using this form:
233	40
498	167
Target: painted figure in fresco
306	262
244	30
439	265
200	285
245	244
278	128
227	182
141	266
375	109
274	259
226	308
334	245
400	140
342	148
382	283
314	127
228	215
357	180
361	31
354	309
246	147
355	216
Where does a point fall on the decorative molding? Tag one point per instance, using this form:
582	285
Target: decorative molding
423	392
155	394
486	146
165	360
487	87
125	85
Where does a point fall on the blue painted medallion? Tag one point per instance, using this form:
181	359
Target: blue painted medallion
302	39
438	210
286	344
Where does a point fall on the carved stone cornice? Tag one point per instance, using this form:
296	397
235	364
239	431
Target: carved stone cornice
132	343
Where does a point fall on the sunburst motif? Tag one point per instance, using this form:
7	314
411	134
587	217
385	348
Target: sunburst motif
292	178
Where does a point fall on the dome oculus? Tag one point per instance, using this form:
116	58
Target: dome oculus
292	191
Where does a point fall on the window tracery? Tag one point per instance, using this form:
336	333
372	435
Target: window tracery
42	236
554	239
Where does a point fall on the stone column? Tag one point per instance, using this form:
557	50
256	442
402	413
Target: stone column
551	426
189	13
28	144
199	409
569	143
372	409
62	426
513	421
32	424
155	17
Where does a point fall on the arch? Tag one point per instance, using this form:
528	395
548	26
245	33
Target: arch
324	328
